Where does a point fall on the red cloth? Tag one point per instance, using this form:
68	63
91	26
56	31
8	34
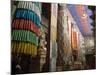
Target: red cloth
25	24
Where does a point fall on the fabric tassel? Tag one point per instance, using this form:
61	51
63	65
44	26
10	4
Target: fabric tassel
27	14
24	35
22	47
36	7
26	24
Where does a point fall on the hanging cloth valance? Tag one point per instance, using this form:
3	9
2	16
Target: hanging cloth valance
25	24
23	47
27	14
31	6
24	35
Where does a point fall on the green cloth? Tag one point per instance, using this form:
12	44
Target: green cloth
24	35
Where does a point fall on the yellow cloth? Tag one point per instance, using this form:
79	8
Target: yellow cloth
24	47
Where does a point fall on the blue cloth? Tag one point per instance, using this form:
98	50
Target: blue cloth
28	14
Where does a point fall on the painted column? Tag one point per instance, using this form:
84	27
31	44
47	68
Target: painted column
53	37
63	42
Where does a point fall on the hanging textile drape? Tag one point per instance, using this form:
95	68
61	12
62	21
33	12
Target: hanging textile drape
24	35
36	7
27	14
24	47
26	28
26	25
